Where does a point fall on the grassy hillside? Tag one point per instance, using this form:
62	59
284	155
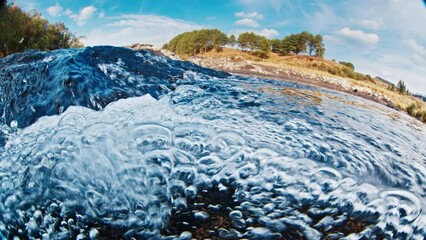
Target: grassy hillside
323	67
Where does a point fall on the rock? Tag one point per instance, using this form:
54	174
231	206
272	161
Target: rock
238	64
152	48
170	54
140	46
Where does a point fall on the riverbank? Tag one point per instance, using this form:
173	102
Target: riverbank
309	78
305	70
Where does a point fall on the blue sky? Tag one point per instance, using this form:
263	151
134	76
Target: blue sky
384	38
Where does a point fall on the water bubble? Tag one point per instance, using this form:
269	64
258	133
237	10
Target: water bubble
93	234
14	124
202	216
72	119
217	157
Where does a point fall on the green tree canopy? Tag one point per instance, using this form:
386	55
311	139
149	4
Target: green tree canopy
232	40
21	30
303	42
316	46
246	41
276	45
348	64
263	47
197	41
256	44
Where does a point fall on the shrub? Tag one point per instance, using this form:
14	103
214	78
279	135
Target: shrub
411	109
369	78
322	67
421	115
348	64
333	71
358	76
347	72
218	49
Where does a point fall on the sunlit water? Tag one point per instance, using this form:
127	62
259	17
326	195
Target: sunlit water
107	136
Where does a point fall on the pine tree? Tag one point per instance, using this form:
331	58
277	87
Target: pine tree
264	47
401	87
277	46
232	40
303	42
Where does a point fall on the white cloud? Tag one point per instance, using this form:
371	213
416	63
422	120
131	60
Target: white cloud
371	24
247	22
248	19
84	15
416	47
394	21
332	40
68	12
269	33
402	17
55	10
324	19
395	67
368	39
128	29
254	15
418	52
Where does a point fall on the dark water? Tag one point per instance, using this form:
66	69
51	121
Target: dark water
112	143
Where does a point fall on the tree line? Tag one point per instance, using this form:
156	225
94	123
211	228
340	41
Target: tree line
303	42
197	41
205	40
20	30
251	42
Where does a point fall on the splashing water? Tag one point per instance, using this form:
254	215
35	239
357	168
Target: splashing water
108	142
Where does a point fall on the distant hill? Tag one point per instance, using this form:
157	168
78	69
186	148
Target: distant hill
420	96
385	81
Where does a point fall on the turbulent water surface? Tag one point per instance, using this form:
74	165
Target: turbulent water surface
109	142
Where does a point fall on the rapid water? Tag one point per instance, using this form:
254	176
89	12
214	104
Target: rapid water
109	142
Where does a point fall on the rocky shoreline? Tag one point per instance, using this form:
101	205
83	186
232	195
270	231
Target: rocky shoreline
249	68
